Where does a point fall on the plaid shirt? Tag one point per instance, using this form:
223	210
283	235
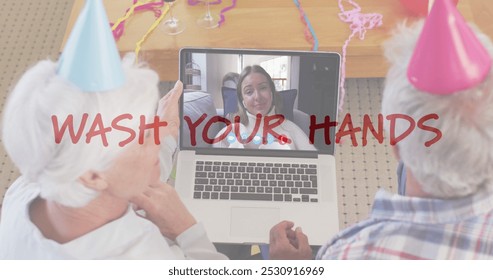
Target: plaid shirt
402	227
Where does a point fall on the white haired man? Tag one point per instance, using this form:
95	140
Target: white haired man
447	209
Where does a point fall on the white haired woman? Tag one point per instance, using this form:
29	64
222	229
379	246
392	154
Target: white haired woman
74	198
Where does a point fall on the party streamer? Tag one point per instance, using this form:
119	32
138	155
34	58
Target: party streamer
119	26
217	2
358	23
223	11
151	29
196	2
310	35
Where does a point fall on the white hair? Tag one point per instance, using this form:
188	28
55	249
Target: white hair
28	131
461	162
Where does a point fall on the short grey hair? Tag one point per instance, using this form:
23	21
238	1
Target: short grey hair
28	132
461	162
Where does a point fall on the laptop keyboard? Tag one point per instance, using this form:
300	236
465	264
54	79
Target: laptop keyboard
230	180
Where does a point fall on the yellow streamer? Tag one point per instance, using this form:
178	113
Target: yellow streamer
151	29
126	16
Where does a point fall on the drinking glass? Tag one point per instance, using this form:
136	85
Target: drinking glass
172	25
208	20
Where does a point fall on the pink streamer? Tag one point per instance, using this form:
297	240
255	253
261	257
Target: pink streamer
358	23
223	11
151	6
196	2
217	2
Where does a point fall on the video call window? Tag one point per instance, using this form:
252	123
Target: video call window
255	89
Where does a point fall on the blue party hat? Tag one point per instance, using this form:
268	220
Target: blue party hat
90	59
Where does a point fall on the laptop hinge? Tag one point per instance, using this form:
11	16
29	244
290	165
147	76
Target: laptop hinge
258	153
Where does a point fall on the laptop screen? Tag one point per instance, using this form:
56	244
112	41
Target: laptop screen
253	101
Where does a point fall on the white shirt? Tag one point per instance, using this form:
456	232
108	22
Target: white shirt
299	140
129	237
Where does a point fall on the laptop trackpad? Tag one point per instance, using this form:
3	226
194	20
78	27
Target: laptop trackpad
253	222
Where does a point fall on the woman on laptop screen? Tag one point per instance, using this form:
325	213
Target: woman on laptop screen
260	108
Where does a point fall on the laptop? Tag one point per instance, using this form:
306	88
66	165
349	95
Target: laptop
239	181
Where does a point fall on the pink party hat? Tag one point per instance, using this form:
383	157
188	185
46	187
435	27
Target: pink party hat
448	56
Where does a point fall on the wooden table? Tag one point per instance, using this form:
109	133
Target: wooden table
272	24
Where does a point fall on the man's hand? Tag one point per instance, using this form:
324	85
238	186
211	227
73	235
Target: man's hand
288	244
168	110
165	209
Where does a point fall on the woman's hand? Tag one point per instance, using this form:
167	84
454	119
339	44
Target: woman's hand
165	209
169	111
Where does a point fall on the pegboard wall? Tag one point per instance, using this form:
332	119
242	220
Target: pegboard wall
362	170
33	30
